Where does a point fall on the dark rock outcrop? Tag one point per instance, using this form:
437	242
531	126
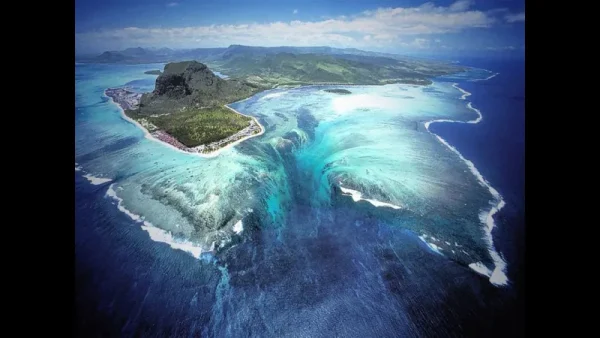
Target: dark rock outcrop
191	84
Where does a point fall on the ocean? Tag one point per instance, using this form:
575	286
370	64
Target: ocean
497	147
346	218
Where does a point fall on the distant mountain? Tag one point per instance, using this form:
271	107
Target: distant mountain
285	65
285	68
252	50
130	55
200	54
136	52
151	55
112	57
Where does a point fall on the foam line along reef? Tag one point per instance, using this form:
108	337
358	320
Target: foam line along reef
357	196
157	234
487	78
312	138
94	180
498	275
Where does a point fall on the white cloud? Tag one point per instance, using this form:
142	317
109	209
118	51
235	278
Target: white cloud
295	11
172	4
461	5
519	17
382	26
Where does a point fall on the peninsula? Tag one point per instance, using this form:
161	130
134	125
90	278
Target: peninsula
188	109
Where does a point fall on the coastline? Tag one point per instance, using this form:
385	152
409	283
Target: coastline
211	154
148	135
498	276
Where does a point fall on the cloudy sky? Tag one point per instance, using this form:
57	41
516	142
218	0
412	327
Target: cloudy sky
407	26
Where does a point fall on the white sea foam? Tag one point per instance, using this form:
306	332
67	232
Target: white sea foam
160	235
479	118
357	196
156	234
93	179
498	276
113	194
487	78
464	92
238	227
96	180
481	269
432	246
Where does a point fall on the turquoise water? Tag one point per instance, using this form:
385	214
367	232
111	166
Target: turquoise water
345	218
372	142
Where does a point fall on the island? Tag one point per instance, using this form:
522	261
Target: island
188	109
338	91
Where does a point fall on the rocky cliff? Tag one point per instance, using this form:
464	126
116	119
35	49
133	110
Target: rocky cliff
191	84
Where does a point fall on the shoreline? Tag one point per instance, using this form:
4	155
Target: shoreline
211	154
148	135
498	276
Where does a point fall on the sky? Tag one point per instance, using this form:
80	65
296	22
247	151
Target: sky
404	27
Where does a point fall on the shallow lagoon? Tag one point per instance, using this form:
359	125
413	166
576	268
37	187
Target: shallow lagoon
300	234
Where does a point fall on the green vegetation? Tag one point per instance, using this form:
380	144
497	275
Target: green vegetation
194	127
191	84
299	69
276	66
188	103
188	98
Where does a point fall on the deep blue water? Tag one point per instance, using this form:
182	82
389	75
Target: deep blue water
128	285
496	146
315	279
